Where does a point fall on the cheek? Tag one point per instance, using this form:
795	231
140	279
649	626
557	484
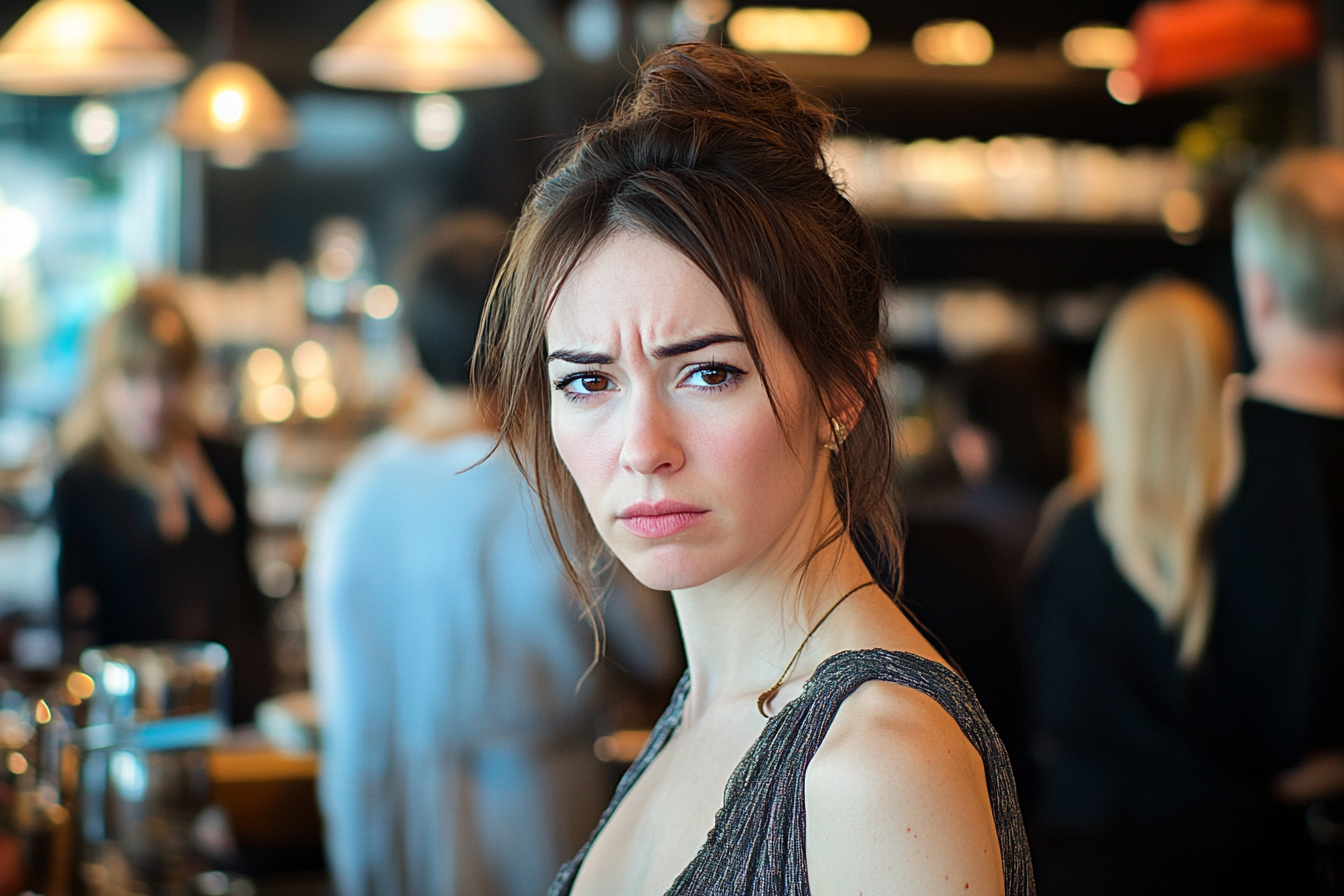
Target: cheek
588	448
749	457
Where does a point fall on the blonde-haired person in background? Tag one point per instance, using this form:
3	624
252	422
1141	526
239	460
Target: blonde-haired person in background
152	514
1117	616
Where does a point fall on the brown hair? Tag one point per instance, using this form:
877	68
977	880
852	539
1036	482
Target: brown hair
147	334
721	157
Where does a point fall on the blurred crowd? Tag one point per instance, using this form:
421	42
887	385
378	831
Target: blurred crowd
1141	574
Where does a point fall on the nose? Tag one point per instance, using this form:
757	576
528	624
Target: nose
652	444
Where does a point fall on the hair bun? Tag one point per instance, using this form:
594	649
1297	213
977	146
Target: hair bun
702	83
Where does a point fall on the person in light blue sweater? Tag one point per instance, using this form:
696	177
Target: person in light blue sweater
447	654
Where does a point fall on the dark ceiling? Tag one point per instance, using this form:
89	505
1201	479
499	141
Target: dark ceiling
281	36
255	216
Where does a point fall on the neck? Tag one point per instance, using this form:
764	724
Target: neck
436	413
742	628
1302	370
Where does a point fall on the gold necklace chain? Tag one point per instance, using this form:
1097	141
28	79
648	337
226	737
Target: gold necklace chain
770	694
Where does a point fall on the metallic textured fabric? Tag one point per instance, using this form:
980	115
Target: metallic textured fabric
757	844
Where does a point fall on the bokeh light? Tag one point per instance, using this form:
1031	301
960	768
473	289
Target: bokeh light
275	403
96	127
265	366
381	302
310	359
318	399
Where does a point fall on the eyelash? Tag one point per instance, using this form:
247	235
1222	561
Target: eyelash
562	384
735	373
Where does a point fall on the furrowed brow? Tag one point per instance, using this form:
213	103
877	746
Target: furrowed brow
694	345
579	357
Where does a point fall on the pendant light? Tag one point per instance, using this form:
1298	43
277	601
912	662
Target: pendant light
230	109
87	46
424	46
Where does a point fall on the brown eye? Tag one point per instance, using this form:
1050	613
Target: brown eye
595	383
714	376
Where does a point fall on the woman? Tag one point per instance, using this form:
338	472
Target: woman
1117	619
685	341
152	515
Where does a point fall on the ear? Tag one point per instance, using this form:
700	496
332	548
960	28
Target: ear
1260	296
1261	306
844	407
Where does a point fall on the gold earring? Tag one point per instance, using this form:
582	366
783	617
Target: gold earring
838	434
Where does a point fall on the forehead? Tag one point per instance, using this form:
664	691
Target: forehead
637	285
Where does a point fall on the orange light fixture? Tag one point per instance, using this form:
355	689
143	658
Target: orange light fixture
232	111
779	29
1098	46
1181	43
87	46
427	46
954	42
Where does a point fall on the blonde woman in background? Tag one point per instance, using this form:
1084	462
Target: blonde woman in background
1117	616
152	514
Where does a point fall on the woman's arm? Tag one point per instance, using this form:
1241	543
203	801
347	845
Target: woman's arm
897	802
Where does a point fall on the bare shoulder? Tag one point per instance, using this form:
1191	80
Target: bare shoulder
897	801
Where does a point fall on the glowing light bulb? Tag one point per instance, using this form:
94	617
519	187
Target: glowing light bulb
96	126
228	108
74	30
437	121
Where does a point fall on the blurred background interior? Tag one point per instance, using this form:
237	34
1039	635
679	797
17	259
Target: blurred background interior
1026	165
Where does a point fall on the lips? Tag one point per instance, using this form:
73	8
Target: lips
660	519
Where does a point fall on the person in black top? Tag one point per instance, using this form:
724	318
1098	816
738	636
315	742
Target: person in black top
152	515
1115	623
1280	542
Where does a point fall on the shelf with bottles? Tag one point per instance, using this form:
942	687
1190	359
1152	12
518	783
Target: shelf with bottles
1023	184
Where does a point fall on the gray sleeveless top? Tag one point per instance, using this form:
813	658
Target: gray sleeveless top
757	844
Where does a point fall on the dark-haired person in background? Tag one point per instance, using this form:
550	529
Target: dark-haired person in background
457	747
152	514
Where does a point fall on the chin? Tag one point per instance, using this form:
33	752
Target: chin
669	568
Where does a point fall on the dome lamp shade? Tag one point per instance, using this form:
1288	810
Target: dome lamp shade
63	47
232	111
426	46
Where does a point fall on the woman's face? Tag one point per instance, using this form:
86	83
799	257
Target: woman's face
663	421
142	405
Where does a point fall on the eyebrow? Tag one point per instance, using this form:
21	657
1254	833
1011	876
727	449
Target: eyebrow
694	345
579	357
661	353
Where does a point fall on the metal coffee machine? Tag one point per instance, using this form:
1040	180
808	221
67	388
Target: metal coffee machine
154	710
